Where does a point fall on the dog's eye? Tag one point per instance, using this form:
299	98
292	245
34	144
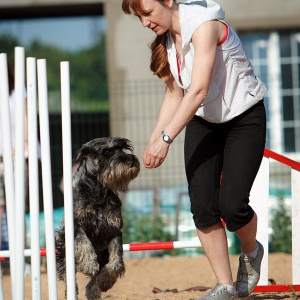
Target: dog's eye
106	152
109	152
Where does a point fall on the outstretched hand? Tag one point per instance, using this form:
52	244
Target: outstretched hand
155	154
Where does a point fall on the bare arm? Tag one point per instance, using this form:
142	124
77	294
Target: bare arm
173	97
205	41
155	153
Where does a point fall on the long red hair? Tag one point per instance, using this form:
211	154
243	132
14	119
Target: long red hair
159	64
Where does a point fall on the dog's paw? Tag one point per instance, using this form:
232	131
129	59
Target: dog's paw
106	279
93	292
116	268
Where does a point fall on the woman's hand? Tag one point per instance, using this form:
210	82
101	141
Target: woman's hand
155	153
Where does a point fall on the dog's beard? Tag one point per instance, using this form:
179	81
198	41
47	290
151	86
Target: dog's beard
118	176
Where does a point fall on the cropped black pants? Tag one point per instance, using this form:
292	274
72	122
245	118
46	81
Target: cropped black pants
221	162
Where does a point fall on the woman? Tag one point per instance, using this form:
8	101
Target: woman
211	89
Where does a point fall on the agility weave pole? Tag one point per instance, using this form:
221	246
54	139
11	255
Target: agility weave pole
14	179
7	155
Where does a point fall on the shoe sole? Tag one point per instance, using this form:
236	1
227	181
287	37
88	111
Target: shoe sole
247	294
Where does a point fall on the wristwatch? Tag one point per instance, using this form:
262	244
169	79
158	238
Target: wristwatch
166	138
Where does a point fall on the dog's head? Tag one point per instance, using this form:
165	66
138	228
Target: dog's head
109	160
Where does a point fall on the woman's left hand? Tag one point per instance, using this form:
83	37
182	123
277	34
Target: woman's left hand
155	154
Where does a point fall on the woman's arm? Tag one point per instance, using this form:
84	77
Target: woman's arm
154	156
205	41
172	119
173	97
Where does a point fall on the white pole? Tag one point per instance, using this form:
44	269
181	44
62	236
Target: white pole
295	174
34	179
259	199
19	170
274	87
67	175
46	177
8	163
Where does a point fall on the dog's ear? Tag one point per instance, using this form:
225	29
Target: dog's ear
86	156
81	154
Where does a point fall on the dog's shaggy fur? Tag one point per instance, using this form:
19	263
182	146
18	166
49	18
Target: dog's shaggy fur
106	166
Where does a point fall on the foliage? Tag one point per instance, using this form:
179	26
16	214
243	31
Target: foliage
140	228
281	239
88	73
8	44
145	228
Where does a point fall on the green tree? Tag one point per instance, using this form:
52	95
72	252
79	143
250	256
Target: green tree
145	228
90	64
281	238
88	72
7	45
53	55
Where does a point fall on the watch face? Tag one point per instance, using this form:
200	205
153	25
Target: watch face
166	138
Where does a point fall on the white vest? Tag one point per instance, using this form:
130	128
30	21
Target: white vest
234	88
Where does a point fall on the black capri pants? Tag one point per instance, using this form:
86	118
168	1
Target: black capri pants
221	161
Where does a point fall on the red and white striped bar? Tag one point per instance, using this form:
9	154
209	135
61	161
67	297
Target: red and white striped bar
129	247
161	245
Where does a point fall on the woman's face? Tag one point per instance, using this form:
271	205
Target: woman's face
156	15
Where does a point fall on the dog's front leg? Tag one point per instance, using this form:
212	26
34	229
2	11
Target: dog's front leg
85	255
115	267
115	249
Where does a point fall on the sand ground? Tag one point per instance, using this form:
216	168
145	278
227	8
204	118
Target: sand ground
166	273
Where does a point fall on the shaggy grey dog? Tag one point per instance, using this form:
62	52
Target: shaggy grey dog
106	167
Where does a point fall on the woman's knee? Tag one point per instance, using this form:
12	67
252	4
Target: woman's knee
236	216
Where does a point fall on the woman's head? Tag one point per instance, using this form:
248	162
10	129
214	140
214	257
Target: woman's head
157	16
136	6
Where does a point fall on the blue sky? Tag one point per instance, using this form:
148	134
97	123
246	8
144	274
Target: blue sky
70	33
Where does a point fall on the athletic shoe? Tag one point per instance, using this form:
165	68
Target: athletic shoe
249	272
219	292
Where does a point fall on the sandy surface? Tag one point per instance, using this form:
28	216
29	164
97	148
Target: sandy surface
167	273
